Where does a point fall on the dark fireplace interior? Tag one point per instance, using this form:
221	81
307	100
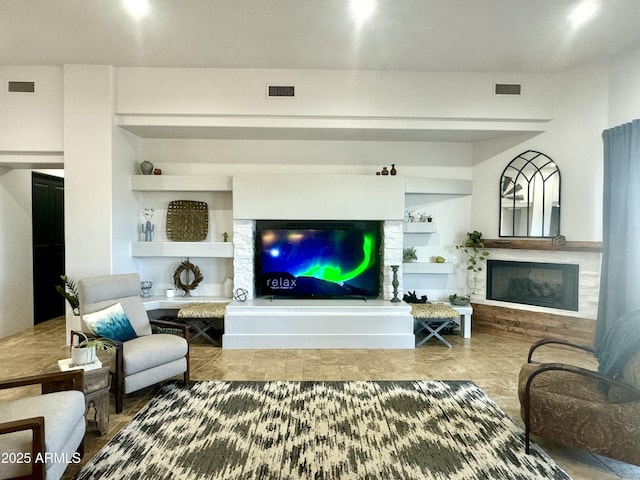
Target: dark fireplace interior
553	285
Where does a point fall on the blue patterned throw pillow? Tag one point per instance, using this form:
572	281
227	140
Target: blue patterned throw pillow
111	323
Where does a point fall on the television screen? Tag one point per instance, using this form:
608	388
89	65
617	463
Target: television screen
323	260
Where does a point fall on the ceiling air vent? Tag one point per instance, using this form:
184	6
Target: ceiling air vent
280	91
507	89
21	87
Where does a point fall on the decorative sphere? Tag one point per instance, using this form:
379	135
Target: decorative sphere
241	294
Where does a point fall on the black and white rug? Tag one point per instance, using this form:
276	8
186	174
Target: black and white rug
321	431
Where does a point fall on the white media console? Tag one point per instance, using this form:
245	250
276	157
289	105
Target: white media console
290	323
263	323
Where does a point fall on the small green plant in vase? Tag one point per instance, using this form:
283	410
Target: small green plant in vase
409	255
84	351
476	257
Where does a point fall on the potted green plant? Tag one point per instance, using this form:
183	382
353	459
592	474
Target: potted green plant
476	257
459	300
84	352
409	255
69	291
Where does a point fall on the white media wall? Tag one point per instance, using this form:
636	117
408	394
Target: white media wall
579	103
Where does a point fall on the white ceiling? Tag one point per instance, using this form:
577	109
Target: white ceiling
429	35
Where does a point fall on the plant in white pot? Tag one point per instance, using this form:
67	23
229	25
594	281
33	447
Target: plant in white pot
84	352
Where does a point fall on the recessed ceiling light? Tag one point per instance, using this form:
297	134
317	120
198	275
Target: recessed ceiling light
362	9
583	11
137	8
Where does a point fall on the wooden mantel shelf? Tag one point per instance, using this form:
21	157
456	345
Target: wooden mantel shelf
542	244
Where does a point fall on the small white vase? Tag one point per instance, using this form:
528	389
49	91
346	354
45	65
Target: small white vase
83	355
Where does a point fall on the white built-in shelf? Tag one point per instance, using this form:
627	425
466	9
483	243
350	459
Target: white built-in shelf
437	186
223	183
181	183
427	267
316	127
419	227
182	249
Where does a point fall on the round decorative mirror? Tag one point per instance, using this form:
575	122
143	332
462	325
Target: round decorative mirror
530	197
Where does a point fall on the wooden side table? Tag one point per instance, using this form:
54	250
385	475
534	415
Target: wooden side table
96	387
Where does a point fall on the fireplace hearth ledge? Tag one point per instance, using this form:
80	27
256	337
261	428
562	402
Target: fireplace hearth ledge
263	323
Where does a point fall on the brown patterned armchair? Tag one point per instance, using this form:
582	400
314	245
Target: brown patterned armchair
582	408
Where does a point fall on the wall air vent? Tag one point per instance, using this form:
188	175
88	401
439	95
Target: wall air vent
507	89
21	87
280	91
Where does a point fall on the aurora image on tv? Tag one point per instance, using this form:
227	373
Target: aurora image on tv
318	262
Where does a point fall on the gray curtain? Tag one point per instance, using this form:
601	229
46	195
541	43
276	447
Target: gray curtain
620	278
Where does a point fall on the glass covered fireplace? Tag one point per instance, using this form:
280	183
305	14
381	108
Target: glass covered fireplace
553	285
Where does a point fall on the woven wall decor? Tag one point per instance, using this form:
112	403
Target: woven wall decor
189	270
187	221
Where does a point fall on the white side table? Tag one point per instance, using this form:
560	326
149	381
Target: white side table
465	316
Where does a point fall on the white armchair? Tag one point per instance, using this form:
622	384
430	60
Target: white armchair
41	434
147	359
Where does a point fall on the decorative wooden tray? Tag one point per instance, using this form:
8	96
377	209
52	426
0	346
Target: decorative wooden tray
187	221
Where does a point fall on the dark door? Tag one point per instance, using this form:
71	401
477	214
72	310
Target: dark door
47	196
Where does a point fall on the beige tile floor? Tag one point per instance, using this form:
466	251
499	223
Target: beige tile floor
492	362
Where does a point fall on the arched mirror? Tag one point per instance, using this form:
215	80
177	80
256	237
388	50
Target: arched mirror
530	197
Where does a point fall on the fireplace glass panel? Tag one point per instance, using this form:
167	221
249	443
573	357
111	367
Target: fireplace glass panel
552	285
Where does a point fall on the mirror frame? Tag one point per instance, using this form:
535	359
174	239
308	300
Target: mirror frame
529	172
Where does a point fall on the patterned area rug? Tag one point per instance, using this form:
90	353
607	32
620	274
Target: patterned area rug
321	431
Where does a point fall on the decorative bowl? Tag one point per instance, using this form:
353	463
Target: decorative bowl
459	300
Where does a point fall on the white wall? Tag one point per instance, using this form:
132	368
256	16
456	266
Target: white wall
573	140
329	93
88	124
98	158
225	157
126	221
30	132
16	265
624	94
16	253
31	122
451	214
336	95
